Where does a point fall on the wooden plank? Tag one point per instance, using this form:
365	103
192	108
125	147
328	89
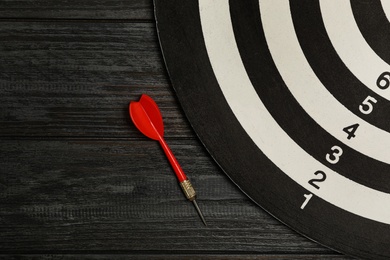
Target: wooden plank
94	195
74	9
76	182
77	79
123	256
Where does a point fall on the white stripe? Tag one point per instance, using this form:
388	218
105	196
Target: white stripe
264	130
351	46
386	8
308	90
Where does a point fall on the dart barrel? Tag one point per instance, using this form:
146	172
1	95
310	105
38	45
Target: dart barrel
188	190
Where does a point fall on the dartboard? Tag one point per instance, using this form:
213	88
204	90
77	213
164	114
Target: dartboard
292	100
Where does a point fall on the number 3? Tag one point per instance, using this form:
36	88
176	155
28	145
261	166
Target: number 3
335	156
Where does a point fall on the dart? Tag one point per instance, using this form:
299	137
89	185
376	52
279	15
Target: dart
146	116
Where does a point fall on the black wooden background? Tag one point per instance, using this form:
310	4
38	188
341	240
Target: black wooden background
77	180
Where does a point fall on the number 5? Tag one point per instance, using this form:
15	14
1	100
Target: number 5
367	105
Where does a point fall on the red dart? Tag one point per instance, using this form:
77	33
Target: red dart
146	116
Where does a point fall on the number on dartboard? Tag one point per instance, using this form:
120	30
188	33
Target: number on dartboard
383	81
334	157
321	178
307	198
367	105
350	130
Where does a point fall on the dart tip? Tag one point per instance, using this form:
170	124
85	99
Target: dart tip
199	212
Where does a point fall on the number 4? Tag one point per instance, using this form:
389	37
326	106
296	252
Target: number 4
350	130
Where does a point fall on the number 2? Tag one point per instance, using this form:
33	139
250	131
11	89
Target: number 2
320	179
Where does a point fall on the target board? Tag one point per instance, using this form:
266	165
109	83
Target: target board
292	100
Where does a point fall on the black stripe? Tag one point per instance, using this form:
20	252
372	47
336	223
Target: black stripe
330	69
204	104
327	223
293	118
373	25
199	93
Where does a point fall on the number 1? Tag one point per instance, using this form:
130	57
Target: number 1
308	197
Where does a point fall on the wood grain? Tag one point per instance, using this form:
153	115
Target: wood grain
74	9
122	195
77	79
122	256
77	180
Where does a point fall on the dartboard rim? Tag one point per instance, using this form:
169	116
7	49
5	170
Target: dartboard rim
197	89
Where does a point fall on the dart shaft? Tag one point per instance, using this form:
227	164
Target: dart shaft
185	184
172	160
